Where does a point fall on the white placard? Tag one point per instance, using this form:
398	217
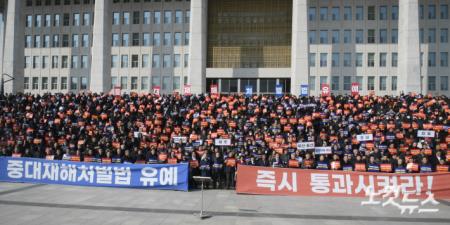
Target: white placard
322	150
222	142
364	137
305	145
179	139
425	133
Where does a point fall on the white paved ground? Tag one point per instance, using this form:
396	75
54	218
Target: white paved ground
29	204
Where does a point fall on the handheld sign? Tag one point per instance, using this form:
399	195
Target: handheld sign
325	90
279	90
156	90
303	90
305	145
355	88
214	89
248	90
425	133
322	150
187	89
222	142
364	137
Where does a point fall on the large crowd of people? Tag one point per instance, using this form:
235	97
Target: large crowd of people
216	133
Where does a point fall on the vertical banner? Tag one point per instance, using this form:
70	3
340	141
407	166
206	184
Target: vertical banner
279	90
304	90
325	89
150	176
355	88
248	90
214	89
157	90
284	181
187	89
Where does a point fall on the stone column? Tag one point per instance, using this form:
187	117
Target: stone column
409	47
300	46
13	54
100	79
198	46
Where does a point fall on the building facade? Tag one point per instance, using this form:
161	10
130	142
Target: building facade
385	46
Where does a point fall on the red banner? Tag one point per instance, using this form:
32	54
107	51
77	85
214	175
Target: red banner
355	88
325	90
283	181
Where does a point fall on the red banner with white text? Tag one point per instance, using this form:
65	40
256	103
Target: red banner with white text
284	181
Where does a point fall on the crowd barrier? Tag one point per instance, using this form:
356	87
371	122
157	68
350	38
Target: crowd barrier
29	170
283	181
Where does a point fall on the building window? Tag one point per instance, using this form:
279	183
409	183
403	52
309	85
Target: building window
335	83
35	62
359	60
347	83
63	83
312	13
444	83
126	18
394	83
35	83
156	81
56	20
383	36
64	61
335	14
167	17
323	13
114	82
66	19
76	19
116	18
431	12
84	62
444	12
54	83
26	83
55	41
48	20
431	35
176	61
186	60
37	41
444	59
178	17
187	19
28	41
115	40
323	37
359	13
75	41
156	61
38	20
335	39
136	17
124	61
134	61
46	43
347	36
347	13
44	62
144	83
323	80
84	83
146	19
312	36
166	61
123	83
55	61
394	38
383	59
371	36
335	58
167	40
134	83
371	13
29	21
73	83
145	61
177	39
265	86
156	39
176	83
186	38
432	59
432	83
135	41
125	39
359	36
44	84
371	83
146	39
85	41
444	35
74	64
312	59
166	83
86	19
27	62
323	59
383	12
394	59
312	83
347	59
157	17
114	61
371	59
383	80
394	12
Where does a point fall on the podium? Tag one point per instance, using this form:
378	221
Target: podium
203	180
